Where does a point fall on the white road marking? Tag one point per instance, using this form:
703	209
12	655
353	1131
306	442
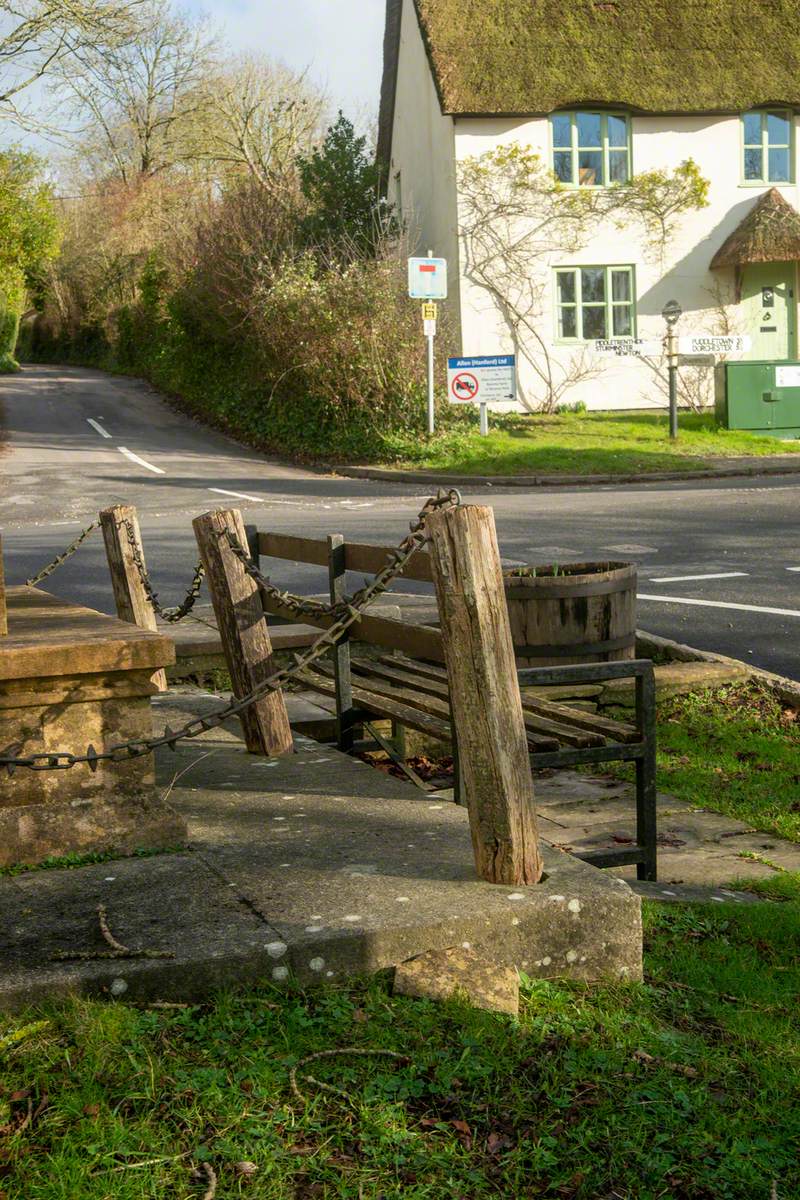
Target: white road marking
776	612
98	427
238	495
135	458
689	578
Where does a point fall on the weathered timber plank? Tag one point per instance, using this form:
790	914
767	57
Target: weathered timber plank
359	556
415	640
617	730
130	596
243	630
382	706
495	770
420	689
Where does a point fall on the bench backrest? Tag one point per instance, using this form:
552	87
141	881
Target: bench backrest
417	641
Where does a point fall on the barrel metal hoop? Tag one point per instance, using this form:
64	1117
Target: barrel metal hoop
575	591
575	649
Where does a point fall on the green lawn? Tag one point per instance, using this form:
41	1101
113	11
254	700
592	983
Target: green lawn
734	750
680	1087
579	443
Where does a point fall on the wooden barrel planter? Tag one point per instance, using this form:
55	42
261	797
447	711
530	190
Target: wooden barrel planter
579	612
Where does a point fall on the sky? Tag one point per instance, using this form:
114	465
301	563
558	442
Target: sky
339	42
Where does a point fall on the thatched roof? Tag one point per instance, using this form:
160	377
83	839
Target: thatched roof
769	233
528	57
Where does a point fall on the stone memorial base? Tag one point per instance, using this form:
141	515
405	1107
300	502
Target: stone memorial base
69	678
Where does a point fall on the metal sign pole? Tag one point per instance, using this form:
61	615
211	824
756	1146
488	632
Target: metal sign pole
484	419
430	384
672	361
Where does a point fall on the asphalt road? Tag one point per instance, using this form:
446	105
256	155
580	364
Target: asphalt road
73	441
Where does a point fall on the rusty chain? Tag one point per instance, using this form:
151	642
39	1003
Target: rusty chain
345	614
171	615
63	556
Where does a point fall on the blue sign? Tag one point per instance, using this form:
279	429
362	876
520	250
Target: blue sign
488	379
427	278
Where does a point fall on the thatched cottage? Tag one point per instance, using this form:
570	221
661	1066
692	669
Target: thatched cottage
599	95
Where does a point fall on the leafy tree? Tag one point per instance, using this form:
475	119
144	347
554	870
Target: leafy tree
341	184
28	239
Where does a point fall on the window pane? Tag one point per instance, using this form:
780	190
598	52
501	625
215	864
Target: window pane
752	129
594	322
562	165
617	131
777	129
620	285
590	129
590	167
623	322
779	166
566	287
593	284
562	129
753	164
568	323
618	166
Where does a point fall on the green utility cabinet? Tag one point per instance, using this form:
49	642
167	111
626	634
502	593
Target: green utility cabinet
763	397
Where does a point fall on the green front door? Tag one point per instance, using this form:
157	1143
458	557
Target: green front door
769	310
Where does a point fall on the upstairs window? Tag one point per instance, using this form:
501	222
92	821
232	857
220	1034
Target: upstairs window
591	149
768	148
595	302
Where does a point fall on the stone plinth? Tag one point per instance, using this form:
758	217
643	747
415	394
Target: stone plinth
71	677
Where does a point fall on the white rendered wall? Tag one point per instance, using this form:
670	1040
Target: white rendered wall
658	143
423	152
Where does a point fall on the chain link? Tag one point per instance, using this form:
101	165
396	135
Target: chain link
63	556
171	615
344	615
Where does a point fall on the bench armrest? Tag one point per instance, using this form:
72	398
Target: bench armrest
584	672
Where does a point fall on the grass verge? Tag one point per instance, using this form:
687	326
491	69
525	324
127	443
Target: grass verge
735	750
580	443
679	1087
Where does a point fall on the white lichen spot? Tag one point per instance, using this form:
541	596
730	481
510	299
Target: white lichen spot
515	920
433	807
574	906
109	879
583	958
329	974
401	899
118	987
352	917
316	964
279	818
276	949
279	973
314	928
571	956
466	945
284	864
537	962
546	961
557	899
516	896
667	892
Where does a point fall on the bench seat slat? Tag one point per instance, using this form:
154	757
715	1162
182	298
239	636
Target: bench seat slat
383	706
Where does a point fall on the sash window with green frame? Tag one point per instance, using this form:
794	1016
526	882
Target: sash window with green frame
591	149
767	147
595	302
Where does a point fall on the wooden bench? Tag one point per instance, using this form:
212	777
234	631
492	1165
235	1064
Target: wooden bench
405	681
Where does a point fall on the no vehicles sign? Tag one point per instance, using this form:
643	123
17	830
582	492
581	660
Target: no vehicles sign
489	380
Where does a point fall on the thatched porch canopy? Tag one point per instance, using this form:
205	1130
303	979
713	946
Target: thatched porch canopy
769	233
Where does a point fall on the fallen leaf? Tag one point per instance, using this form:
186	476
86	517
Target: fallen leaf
497	1142
91	1110
245	1168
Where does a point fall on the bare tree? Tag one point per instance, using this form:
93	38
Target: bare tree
259	117
132	106
37	36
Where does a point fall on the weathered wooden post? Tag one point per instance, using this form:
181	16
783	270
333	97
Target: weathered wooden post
3	611
130	596
496	775
243	630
